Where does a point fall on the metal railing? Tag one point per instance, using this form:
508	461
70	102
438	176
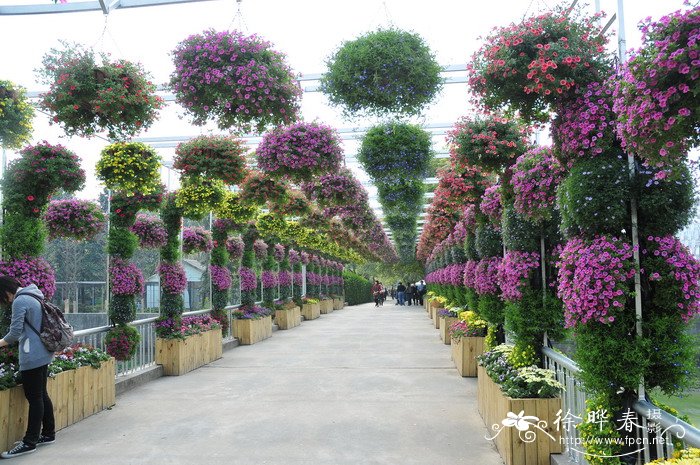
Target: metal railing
146	351
652	443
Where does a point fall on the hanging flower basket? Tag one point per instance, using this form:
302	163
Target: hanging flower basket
382	73
235	246
125	278
260	248
536	175
233	208
125	207
300	151
259	189
74	219
212	157
89	94
491	204
130	167
41	170
490	143
394	151
279	252
336	189
655	99
237	80
31	270
198	196
151	231
295	204
173	278
532	66
16	115
196	240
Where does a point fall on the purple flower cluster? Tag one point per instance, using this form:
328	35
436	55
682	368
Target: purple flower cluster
176	328
268	279
470	274
491	203
77	219
684	269
196	239
249	312
584	127
279	252
514	272
336	189
31	270
654	99
173	278
313	279
150	230
456	274
300	151
594	279
294	257
235	246
297	275
305	258
486	276
125	278
284	278
220	277
260	249
249	281
239	79
536	175
469	216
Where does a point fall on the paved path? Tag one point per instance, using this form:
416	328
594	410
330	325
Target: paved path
359	386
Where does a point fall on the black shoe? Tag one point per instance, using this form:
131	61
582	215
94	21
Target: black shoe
20	449
45	440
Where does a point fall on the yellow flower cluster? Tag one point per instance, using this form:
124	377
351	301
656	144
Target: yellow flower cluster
197	196
522	356
473	320
231	208
681	457
598	452
129	167
490	341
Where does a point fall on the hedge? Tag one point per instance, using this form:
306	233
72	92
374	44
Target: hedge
358	289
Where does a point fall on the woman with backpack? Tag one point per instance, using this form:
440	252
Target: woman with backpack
34	360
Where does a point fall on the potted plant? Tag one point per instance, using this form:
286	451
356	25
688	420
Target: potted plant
239	81
185	344
73	218
129	167
212	157
89	94
198	196
16	115
287	314
310	308
467	336
380	73
252	324
446	317
196	239
150	231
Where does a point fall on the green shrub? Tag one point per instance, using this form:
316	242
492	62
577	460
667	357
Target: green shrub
518	233
666	206
491	308
358	289
488	241
22	235
121	243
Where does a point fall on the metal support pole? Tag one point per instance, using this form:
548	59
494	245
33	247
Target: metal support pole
109	217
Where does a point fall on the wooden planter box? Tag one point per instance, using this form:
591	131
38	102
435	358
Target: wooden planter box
75	394
494	407
464	353
338	304
287	319
435	316
311	311
251	331
180	356
326	306
445	323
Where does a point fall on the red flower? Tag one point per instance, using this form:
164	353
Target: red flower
30	198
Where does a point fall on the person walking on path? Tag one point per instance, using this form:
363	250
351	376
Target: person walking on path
400	292
409	294
34	361
421	291
376	293
414	292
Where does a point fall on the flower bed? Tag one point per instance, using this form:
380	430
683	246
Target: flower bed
81	383
252	324
187	344
527	437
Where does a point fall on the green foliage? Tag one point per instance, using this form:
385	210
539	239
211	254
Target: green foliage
358	289
593	198
518	233
488	241
21	235
129	167
666	206
122	309
471	298
171	305
491	308
519	383
595	436
121	243
171	215
219	299
382	72
16	115
470	252
530	317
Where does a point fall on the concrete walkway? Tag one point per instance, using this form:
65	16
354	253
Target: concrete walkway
362	385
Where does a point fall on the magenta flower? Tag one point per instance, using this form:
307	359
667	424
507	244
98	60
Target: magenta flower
125	278
173	278
235	246
220	277
260	248
150	230
196	239
31	270
249	280
279	252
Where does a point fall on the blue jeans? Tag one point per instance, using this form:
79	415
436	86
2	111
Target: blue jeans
401	300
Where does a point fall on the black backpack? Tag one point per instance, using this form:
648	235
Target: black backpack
56	334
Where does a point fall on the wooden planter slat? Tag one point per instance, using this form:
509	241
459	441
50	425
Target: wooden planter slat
180	356
445	323
252	331
464	353
287	319
75	394
494	407
337	304
326	306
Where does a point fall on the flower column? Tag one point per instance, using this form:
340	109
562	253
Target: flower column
295	262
